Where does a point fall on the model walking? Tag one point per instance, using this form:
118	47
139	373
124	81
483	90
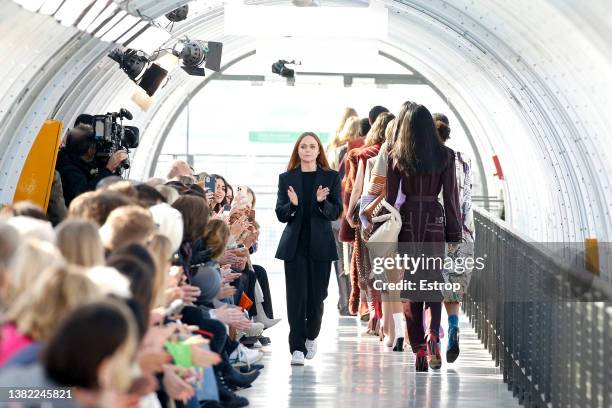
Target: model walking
308	201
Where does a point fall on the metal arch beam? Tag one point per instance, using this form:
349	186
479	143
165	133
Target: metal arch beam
468	134
422	79
185	102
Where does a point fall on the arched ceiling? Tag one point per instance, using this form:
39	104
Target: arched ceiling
531	79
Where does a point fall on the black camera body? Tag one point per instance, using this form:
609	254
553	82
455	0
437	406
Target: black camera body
280	69
111	135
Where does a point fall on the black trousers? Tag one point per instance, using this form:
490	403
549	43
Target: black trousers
262	278
306	281
245	284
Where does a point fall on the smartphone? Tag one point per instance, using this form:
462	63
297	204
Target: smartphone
175	307
241	191
210	184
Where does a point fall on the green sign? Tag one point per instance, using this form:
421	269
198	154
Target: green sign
281	136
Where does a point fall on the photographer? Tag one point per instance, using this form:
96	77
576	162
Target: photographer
75	163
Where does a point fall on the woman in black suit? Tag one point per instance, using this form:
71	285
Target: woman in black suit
308	201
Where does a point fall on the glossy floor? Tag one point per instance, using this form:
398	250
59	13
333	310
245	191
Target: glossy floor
352	369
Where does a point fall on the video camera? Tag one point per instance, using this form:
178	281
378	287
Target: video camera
110	135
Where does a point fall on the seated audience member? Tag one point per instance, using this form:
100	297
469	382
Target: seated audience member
180	188
96	206
169	222
130	224
147	196
101	376
209	273
140	271
161	249
34	314
195	213
34	228
179	168
125	188
30	259
79	242
229	194
218	199
9	242
26	209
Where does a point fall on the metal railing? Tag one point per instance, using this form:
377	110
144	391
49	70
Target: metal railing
548	326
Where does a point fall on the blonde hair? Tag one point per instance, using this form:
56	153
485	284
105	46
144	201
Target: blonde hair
59	290
79	242
377	133
127	225
349	132
348	113
97	205
160	248
124	188
389	138
31	258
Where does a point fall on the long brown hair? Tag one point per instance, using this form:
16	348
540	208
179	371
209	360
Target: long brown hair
418	149
196	213
294	161
217	234
376	135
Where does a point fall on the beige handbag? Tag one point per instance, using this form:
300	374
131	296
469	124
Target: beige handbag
384	239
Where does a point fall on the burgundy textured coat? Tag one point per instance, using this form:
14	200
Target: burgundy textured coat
426	224
424	219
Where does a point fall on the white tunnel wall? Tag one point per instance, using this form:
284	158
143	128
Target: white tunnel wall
529	79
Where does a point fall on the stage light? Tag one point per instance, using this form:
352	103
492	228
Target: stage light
280	69
194	53
139	68
178	14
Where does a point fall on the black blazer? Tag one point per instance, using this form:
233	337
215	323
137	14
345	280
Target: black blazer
322	242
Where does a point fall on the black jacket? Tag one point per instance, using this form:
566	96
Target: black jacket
322	243
78	176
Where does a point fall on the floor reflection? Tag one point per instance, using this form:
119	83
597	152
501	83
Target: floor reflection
356	371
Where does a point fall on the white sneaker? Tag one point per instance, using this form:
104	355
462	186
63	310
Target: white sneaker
311	348
243	355
297	358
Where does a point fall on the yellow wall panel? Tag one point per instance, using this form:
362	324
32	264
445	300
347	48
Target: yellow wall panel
37	174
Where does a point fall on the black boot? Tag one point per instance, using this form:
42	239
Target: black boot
237	378
226	396
245	369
